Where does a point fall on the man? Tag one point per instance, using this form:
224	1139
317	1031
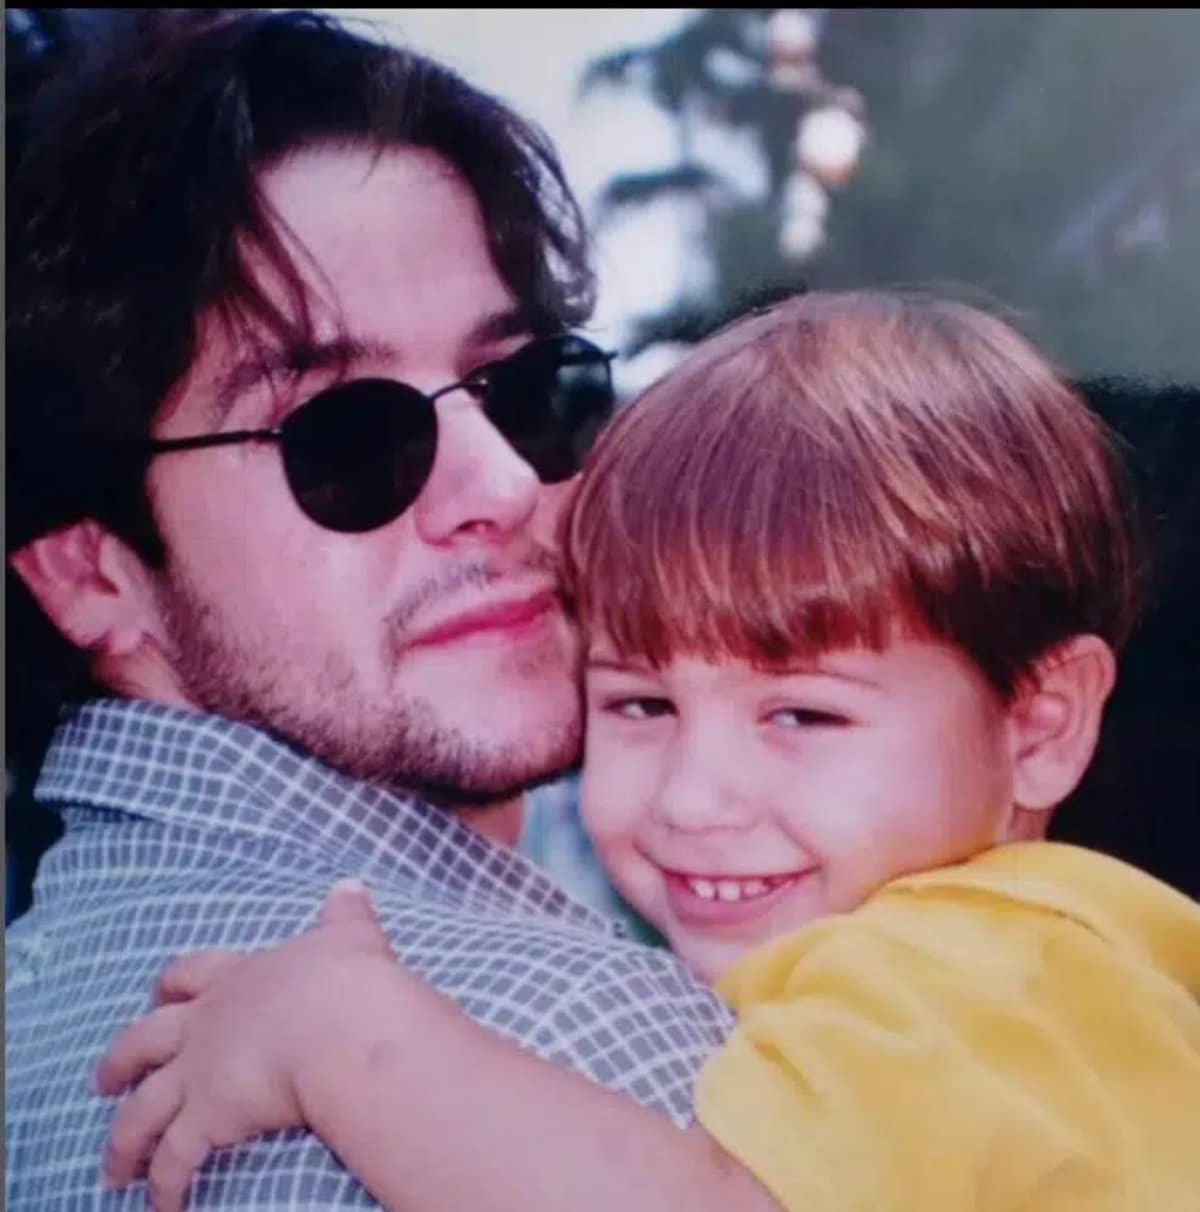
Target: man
313	613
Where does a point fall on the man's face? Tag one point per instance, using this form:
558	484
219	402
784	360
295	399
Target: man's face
732	805
432	651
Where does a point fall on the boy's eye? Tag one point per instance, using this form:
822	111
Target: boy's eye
639	708
806	717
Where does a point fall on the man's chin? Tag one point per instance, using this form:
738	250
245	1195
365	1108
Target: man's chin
477	757
453	795
483	768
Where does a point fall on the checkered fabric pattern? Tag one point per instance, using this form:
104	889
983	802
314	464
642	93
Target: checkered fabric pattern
186	831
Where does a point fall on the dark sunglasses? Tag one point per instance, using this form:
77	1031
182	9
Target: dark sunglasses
358	454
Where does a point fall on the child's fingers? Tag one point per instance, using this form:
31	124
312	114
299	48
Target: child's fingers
348	905
347	901
145	1044
178	1155
140	1119
187	976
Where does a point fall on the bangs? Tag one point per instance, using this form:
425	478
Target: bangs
727	528
845	470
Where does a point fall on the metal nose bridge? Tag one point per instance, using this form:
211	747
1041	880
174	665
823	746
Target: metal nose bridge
477	381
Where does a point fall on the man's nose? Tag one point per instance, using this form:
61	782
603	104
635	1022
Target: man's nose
479	487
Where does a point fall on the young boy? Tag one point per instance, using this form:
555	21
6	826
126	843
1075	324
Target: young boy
852	579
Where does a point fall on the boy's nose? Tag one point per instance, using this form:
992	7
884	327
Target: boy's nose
698	793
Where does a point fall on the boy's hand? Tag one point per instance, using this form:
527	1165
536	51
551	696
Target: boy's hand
223	1045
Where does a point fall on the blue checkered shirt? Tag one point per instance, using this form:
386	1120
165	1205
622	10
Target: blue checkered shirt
185	831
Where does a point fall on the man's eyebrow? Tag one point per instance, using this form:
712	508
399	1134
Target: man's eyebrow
340	353
499	325
291	361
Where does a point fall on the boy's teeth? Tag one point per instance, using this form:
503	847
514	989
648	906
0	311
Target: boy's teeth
727	890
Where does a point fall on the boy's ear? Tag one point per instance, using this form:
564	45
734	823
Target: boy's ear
91	586
1055	724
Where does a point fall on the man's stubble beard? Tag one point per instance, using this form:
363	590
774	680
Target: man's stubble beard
402	744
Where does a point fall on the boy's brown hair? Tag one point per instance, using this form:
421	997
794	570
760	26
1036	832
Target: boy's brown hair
811	474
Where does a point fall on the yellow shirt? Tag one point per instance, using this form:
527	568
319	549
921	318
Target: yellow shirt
1021	1031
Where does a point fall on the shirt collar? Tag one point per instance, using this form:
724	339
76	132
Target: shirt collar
206	772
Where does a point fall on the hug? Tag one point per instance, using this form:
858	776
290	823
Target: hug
333	546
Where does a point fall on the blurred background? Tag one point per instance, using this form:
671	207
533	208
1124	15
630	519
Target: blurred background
1044	162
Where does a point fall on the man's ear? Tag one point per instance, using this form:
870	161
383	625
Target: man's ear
1055	724
91	586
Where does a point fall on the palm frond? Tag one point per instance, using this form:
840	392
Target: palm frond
638	189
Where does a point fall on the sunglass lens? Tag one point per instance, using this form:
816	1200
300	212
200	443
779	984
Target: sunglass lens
550	400
357	455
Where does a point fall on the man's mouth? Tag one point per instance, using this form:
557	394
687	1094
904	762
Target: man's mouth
506	618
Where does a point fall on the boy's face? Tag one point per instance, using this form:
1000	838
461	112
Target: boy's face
731	805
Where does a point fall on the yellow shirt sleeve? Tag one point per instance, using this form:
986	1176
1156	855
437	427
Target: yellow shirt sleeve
1018	1032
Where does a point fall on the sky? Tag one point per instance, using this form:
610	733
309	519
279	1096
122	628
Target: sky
533	59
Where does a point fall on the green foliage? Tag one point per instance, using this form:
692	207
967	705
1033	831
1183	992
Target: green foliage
632	189
678	69
1049	158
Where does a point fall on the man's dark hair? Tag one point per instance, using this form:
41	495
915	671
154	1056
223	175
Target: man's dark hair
134	207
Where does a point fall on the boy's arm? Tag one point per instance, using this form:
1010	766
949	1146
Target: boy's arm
426	1107
432	1111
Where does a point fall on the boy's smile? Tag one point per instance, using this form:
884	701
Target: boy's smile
731	804
716	900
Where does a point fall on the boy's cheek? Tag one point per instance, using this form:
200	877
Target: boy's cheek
608	803
596	817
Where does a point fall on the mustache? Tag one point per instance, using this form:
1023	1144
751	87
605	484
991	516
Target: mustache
473	574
